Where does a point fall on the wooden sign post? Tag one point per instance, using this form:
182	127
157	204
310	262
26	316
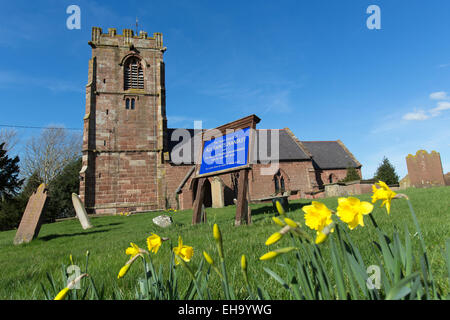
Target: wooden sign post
226	149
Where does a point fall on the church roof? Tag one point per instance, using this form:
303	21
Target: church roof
331	155
324	154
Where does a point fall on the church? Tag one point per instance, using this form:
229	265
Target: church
128	150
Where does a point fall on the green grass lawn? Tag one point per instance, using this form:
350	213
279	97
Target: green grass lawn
24	267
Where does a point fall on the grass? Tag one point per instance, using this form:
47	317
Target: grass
24	267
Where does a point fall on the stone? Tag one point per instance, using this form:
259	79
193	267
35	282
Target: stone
217	195
163	221
81	212
425	169
32	218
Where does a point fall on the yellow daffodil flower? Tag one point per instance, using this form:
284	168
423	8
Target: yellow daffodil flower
133	250
383	193
351	211
317	216
153	243
184	252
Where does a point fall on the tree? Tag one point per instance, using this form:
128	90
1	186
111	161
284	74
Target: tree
50	152
10	138
352	175
386	173
9	175
60	192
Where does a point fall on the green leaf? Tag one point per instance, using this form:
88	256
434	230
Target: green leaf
402	288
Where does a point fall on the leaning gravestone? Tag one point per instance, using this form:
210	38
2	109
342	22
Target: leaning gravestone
31	220
81	212
163	221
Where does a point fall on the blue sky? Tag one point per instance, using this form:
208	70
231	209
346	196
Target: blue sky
312	66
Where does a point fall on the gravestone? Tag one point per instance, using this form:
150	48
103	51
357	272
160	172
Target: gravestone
162	221
217	193
80	211
32	217
425	169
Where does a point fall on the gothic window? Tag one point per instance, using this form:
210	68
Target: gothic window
127	103
133	74
132	104
279	182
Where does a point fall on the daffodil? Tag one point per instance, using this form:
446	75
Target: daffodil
273	254
317	216
280	208
323	234
208	258
133	250
383	193
154	243
244	263
351	211
274	238
123	271
291	223
63	293
183	251
278	221
218	237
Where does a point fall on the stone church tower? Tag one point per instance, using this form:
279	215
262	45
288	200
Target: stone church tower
124	124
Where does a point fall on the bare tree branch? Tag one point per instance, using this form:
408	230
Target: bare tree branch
50	152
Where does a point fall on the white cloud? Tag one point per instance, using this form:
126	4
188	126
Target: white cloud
441	106
416	116
439	95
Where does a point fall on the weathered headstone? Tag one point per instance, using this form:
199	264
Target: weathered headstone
80	211
31	220
425	169
163	221
217	186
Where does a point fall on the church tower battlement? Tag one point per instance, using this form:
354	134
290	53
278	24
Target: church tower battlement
124	123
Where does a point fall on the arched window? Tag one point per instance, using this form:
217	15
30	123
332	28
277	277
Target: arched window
127	103
132	104
279	184
133	74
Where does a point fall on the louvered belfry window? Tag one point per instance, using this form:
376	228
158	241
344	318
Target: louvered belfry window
134	75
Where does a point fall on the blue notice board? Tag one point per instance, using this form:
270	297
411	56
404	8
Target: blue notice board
225	152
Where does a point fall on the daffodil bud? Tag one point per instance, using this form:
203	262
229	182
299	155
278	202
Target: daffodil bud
278	221
62	294
243	263
274	238
123	271
291	223
208	258
280	208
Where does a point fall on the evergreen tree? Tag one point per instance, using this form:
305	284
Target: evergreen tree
9	175
386	172
352	175
60	192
